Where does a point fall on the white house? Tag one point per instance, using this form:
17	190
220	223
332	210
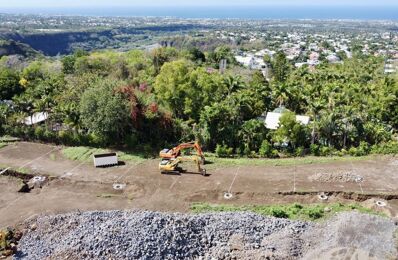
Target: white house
36	118
271	119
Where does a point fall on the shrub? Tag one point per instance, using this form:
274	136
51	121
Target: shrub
49	135
265	149
314	149
315	213
279	213
247	151
96	140
65	137
299	151
385	148
223	150
353	151
363	149
274	153
39	132
253	154
326	151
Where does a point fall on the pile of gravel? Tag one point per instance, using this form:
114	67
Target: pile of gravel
154	235
353	234
336	177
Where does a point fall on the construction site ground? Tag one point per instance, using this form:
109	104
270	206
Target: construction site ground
74	185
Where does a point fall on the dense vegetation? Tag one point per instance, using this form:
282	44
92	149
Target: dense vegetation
151	99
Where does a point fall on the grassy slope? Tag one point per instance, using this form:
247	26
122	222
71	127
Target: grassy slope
82	153
291	211
2	145
279	162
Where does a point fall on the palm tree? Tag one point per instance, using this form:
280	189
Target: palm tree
233	83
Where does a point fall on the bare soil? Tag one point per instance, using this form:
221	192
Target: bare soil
74	185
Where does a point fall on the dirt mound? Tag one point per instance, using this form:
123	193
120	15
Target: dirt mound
336	177
237	235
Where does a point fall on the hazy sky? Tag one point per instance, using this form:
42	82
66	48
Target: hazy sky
101	3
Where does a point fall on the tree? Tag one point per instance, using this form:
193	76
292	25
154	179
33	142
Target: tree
252	133
9	84
280	67
196	55
68	64
290	131
171	86
104	111
162	55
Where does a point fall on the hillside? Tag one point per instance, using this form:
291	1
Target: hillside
10	47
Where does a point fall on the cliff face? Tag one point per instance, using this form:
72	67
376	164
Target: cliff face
55	43
11	47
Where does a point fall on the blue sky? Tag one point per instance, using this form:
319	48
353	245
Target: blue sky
102	3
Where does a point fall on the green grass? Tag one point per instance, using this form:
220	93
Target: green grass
17	169
85	154
290	211
243	161
2	145
7	138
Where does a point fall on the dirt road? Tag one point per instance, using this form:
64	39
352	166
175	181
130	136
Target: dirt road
80	186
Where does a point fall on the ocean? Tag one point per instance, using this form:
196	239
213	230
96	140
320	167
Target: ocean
239	12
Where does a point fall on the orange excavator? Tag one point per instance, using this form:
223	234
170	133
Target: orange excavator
171	158
176	151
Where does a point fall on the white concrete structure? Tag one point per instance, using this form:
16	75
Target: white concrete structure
106	159
272	120
36	118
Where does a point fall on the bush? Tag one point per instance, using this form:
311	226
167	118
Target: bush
247	151
39	132
299	151
49	136
353	151
326	151
314	149
65	137
363	149
265	149
385	148
279	213
274	153
96	140
223	151
315	213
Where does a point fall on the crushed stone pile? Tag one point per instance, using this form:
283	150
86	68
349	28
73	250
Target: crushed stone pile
140	234
336	177
354	234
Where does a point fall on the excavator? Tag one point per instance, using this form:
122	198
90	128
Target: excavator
171	158
176	151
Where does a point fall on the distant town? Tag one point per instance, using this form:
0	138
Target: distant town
305	42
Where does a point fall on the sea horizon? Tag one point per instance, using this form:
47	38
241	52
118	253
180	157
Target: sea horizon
232	12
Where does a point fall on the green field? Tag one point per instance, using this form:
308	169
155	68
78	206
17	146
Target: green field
290	211
83	153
